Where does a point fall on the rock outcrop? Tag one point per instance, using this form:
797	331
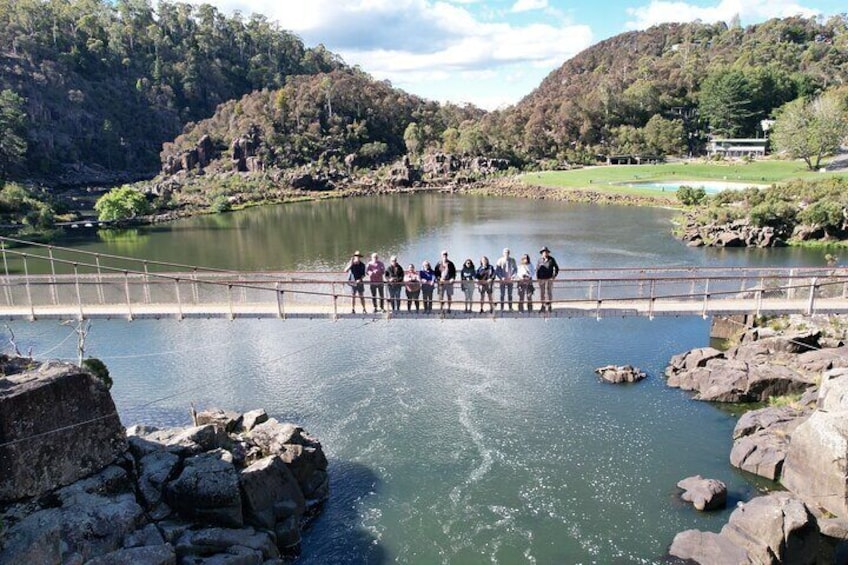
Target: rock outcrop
755	370
761	439
704	494
772	529
236	488
738	233
620	374
45	439
192	159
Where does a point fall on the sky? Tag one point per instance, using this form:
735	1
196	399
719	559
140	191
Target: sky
489	53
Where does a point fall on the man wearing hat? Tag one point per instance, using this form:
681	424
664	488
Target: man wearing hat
356	270
546	271
505	270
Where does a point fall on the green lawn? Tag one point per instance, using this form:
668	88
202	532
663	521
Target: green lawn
613	178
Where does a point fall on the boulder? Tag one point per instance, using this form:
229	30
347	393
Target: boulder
148	555
693	358
207	490
270	493
817	461
776	528
42	447
707	548
211	541
184	442
761	439
704	494
833	391
251	419
154	472
818	361
225	419
620	374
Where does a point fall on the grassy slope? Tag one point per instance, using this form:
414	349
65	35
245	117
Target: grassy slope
612	178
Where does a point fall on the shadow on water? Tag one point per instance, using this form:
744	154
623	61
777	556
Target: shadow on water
339	529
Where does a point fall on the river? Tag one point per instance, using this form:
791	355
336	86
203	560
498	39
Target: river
473	441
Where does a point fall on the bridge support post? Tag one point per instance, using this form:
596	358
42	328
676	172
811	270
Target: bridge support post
79	294
28	290
281	314
129	299
811	304
53	297
100	295
179	299
335	303
652	300
230	301
146	284
7	291
706	299
195	293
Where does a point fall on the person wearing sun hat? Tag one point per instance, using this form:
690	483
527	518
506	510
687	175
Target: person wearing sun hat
546	271
356	270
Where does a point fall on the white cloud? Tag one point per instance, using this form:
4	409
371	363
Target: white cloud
529	5
415	43
662	11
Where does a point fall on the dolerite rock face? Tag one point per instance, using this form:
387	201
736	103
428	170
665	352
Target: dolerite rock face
761	439
57	424
751	372
181	495
772	529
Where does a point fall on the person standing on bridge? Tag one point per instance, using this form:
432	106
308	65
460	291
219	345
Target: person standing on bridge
445	274
413	287
485	280
394	276
468	274
376	269
356	272
428	281
525	273
505	270
546	271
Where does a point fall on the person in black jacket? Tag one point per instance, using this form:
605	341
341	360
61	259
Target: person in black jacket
394	276
356	268
445	274
546	271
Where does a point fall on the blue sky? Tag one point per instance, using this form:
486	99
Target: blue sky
489	53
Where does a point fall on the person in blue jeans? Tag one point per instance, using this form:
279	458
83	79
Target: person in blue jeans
428	283
394	278
485	280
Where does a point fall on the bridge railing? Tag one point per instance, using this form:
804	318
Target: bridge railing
134	294
96	287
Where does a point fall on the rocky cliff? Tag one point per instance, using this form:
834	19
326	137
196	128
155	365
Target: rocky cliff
78	488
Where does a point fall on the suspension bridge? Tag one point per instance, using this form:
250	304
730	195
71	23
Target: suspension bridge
49	282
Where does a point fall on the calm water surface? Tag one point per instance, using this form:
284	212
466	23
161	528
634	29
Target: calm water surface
449	442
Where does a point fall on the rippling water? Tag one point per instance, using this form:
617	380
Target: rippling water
453	442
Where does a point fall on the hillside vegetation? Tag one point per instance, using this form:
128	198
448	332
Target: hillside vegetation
106	83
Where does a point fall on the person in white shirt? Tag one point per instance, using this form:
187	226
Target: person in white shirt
525	274
505	271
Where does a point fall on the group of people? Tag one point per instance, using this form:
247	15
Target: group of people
420	284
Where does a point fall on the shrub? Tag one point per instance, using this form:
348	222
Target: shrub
689	196
121	203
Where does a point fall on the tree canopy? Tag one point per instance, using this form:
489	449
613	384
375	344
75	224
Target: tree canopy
811	129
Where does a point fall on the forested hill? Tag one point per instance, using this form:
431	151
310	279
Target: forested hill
105	83
720	76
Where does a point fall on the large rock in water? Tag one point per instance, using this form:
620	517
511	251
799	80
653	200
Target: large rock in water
57	424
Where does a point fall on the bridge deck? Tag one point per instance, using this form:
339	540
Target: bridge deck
587	308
